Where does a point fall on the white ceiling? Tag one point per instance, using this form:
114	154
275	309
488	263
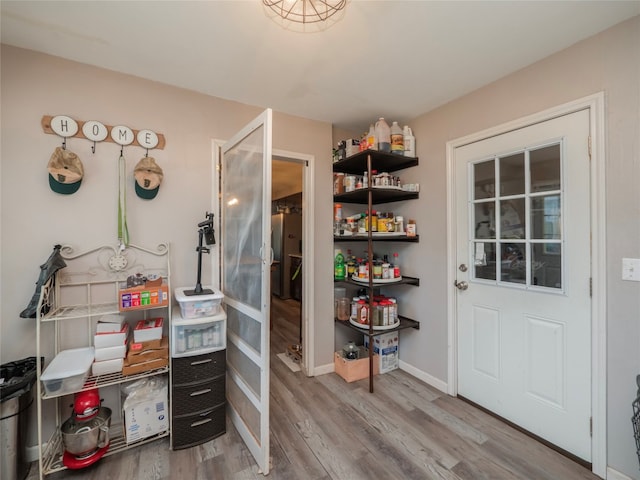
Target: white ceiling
396	59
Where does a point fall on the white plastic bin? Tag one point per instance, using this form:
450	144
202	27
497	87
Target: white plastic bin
199	306
68	371
191	337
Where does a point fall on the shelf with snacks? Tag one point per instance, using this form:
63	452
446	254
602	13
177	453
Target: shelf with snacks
367	191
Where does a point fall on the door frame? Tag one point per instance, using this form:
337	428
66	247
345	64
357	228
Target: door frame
308	196
596	105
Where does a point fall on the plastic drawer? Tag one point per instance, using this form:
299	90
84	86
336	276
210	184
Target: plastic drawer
199	368
191	430
198	397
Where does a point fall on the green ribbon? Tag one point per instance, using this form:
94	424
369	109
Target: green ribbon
123	231
295	274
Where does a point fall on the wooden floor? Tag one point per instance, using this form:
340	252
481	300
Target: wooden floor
325	428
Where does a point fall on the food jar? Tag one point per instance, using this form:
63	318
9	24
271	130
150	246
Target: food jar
343	310
350	351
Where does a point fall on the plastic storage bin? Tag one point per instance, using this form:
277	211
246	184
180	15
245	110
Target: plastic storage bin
68	371
198	306
191	337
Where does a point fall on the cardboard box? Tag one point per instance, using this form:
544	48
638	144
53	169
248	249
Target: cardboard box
353	370
386	345
136	298
129	368
146	330
149	351
110	353
110	323
146	418
106	366
139	346
111	339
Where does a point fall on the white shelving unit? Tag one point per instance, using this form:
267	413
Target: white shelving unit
71	303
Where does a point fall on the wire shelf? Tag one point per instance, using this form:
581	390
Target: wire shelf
52	457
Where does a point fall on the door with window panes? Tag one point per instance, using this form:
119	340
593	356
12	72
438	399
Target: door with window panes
523	297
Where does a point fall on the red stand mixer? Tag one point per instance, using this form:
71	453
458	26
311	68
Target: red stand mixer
85	435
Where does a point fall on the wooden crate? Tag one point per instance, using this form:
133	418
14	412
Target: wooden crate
353	370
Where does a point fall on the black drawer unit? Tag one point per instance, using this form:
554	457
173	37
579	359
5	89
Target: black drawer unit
198	399
198	368
196	429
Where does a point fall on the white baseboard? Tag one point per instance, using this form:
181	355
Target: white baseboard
616	475
425	377
323	369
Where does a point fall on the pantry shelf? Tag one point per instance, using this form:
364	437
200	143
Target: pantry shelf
367	163
404	281
387	162
404	324
91	285
377	238
380	195
68	312
52	457
110	379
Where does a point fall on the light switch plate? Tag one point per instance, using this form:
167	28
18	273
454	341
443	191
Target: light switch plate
631	269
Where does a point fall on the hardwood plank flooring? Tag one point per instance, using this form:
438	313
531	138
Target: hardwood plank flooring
324	428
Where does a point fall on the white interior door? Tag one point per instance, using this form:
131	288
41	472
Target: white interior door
245	262
523	298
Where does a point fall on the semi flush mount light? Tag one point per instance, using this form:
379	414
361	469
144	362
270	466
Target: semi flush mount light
305	11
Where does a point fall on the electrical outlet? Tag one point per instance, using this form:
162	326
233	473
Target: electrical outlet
631	269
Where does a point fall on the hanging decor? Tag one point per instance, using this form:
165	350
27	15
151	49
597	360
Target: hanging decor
305	11
65	171
148	177
94	131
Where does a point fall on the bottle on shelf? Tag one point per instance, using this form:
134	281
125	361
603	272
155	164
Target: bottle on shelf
397	139
337	212
411	228
396	265
383	132
377	269
409	142
372	139
354	307
339	266
351	264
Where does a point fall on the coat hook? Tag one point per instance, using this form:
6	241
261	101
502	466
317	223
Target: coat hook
64	143
147	153
121	151
93	148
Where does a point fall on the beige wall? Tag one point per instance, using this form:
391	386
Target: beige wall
34	218
608	62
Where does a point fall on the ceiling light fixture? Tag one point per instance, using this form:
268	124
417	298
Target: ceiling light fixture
305	11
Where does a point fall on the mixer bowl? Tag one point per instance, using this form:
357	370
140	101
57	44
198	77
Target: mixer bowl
84	436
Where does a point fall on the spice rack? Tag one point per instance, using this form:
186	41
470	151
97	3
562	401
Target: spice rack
368	161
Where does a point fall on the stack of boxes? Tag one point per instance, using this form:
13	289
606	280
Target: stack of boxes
149	349
110	342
